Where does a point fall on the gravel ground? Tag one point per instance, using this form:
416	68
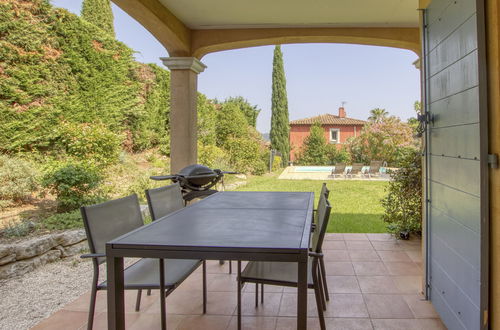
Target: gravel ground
26	300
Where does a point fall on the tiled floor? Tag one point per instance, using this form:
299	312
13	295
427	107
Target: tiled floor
374	283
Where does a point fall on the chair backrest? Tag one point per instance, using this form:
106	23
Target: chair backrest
323	217
325	190
106	221
339	168
164	200
375	166
356	168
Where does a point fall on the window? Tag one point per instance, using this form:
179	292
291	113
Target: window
334	135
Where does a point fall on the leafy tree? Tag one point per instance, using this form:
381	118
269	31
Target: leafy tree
207	121
250	111
403	204
314	149
231	123
99	13
413	122
377	115
382	141
280	129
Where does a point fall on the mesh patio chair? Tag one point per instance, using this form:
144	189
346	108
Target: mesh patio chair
355	169
165	200
285	273
374	169
106	221
326	193
339	170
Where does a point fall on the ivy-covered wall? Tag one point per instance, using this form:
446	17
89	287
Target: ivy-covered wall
56	67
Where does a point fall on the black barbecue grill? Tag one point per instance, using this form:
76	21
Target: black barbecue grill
195	180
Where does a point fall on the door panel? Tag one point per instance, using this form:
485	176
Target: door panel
455	162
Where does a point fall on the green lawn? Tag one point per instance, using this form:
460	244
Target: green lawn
356	205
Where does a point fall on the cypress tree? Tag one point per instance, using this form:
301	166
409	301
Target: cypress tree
99	13
280	128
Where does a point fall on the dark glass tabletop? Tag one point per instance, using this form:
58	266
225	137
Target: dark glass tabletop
246	221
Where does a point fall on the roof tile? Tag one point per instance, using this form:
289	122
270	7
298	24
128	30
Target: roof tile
328	119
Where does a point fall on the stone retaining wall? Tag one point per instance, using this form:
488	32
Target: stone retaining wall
22	257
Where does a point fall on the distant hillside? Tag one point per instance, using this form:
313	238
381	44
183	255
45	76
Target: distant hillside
57	68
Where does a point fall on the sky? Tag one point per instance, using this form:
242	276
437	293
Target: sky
320	77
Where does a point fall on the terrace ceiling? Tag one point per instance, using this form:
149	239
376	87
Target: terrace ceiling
197	27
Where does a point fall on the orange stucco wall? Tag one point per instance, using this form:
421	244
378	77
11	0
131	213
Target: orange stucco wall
299	132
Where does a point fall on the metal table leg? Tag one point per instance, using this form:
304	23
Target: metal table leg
116	296
302	296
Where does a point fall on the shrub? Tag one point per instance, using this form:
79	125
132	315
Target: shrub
18	178
73	183
403	204
91	142
231	123
68	220
245	155
335	156
213	157
19	229
277	163
314	149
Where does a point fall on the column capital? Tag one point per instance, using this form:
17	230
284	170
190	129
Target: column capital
183	63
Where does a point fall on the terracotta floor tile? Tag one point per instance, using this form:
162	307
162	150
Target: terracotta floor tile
359	245
334	237
408	284
194	281
415	255
387	306
82	303
346	305
348	324
153	321
288	305
377	284
101	320
250	287
403	268
420	307
410	245
369	268
213	267
343	284
386	246
287	323
253	323
63	319
380	237
396	256
270	307
355	237
336	255
334	245
339	268
363	255
222	283
204	322
409	324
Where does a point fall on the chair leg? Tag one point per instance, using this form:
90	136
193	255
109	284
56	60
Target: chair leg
239	294
163	312
323	277
256	295
138	300
262	293
319	299
230	267
322	294
149	292
93	296
204	287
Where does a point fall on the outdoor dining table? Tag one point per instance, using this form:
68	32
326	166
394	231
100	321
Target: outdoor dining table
259	226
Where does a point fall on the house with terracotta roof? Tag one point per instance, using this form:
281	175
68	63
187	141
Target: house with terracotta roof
338	128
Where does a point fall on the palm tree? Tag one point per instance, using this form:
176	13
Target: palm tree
377	115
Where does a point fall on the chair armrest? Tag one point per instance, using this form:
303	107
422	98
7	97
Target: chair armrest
316	254
92	255
313	227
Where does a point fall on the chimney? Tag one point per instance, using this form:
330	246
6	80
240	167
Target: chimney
341	112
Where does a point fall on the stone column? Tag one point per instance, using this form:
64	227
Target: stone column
183	115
